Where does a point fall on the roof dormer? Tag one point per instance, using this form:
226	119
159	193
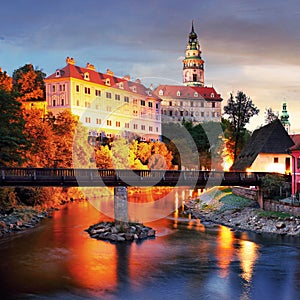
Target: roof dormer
161	93
107	81
58	73
178	94
86	76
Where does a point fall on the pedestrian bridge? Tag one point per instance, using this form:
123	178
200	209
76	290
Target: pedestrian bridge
139	178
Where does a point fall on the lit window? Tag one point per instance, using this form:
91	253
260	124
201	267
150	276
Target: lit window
108	122
118	124
276	160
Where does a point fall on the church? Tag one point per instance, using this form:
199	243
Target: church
192	101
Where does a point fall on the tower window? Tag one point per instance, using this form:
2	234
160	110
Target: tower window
194	77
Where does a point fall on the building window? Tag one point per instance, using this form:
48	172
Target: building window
157	106
86	76
126	99
192	103
149	104
143	127
298	163
62	87
213	104
135	126
181	103
156	129
87	104
57	73
276	160
62	102
161	92
181	113
202	103
118	124
98	121
53	102
77	103
213	114
202	113
150	128
108	95
178	93
77	88
126	125
212	95
143	102
53	88
117	97
108	122
107	81
108	108
195	94
171	113
98	93
87	90
87	120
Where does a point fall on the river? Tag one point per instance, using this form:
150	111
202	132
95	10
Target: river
58	260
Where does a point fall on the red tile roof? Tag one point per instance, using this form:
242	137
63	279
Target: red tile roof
296	140
208	93
72	71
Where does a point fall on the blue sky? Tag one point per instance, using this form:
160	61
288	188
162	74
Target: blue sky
253	46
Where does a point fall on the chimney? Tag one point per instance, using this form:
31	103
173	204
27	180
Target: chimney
126	77
70	61
109	72
90	67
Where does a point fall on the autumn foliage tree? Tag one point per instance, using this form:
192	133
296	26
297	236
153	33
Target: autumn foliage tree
28	83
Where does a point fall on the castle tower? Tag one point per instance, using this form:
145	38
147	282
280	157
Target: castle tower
193	65
284	118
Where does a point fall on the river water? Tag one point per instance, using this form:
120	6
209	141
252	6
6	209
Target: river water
58	260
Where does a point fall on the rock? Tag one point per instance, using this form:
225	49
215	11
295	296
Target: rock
280	225
114	229
151	233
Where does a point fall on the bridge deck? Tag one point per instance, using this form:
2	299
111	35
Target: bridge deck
138	178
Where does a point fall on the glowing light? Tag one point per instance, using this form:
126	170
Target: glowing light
227	159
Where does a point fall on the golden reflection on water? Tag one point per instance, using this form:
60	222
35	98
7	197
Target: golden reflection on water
248	255
224	250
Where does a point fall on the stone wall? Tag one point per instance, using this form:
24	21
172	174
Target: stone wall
245	192
271	205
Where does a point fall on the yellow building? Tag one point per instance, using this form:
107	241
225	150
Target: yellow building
106	104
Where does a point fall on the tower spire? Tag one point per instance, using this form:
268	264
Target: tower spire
193	65
285	117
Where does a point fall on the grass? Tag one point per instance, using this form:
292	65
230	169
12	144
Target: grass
230	202
274	214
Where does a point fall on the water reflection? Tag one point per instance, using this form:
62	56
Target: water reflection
248	254
224	250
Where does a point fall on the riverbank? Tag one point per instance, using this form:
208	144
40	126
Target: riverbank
22	217
241	214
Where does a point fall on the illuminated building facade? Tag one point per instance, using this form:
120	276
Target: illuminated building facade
192	101
105	103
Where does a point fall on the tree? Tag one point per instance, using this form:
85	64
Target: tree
270	115
13	142
28	83
239	110
5	81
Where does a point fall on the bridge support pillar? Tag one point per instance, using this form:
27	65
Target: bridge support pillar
260	198
121	204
